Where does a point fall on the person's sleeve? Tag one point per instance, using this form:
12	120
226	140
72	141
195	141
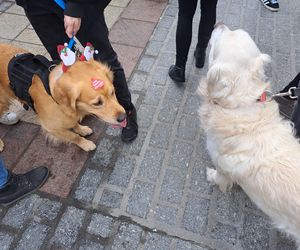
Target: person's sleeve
74	8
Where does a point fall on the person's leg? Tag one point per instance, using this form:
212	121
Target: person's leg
94	29
3	174
47	20
186	11
206	26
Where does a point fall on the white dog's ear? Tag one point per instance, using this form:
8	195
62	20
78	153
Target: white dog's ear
220	81
258	65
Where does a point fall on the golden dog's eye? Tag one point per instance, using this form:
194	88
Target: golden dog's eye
99	103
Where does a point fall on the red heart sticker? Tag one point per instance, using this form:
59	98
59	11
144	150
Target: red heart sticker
97	83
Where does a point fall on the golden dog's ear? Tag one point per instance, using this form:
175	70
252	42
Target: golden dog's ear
66	95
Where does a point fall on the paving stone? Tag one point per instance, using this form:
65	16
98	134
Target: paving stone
48	209
5	5
166	59
88	185
104	152
146	64
175	92
33	237
132	32
156	241
20	212
68	228
89	245
255	233
137	81
160	34
128	237
17	140
181	155
171	11
128	56
165	214
149	11
168	111
135	147
159	76
151	164
11	25
160	136
5	240
111	199
153	95
185	245
145	115
153	48
196	214
192	105
122	172
140	199
225	233
199	182
172	187
100	225
284	243
188	127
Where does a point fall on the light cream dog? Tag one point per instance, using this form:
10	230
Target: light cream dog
249	143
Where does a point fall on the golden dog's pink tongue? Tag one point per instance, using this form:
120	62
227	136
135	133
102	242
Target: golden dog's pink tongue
122	125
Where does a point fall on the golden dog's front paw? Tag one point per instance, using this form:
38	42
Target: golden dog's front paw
211	175
1	145
87	145
83	130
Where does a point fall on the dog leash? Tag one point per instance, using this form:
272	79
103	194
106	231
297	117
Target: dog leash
62	4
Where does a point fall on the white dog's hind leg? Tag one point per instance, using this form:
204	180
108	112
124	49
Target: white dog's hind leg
215	177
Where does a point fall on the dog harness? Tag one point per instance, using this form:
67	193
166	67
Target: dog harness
22	68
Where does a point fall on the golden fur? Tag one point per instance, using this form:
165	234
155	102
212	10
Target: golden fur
73	97
249	142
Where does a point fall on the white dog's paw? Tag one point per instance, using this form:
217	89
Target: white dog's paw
211	175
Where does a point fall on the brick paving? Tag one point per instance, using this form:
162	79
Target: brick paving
152	193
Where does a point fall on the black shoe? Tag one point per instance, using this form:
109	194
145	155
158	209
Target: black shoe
177	74
286	106
130	132
200	54
21	185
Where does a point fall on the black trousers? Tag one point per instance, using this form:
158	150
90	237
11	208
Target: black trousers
187	9
46	17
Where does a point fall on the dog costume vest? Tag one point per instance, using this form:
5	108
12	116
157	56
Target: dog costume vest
21	69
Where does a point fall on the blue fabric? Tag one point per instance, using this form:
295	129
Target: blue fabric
3	173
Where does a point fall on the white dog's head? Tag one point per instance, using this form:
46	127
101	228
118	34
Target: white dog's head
236	69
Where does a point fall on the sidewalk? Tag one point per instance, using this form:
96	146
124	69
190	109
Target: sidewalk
151	194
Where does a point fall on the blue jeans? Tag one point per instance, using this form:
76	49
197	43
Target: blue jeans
3	174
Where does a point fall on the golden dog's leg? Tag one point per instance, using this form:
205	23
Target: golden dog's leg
82	130
215	177
69	136
1	145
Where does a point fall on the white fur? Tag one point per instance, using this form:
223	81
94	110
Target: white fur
249	142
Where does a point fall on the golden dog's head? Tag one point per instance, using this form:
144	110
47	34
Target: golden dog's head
86	88
236	69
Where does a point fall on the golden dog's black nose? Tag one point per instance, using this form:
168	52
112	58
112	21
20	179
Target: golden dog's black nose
121	117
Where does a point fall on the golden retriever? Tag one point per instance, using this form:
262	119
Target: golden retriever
248	141
72	98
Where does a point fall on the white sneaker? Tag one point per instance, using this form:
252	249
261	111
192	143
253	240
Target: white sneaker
9	118
272	5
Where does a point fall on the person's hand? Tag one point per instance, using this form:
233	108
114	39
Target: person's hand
72	25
